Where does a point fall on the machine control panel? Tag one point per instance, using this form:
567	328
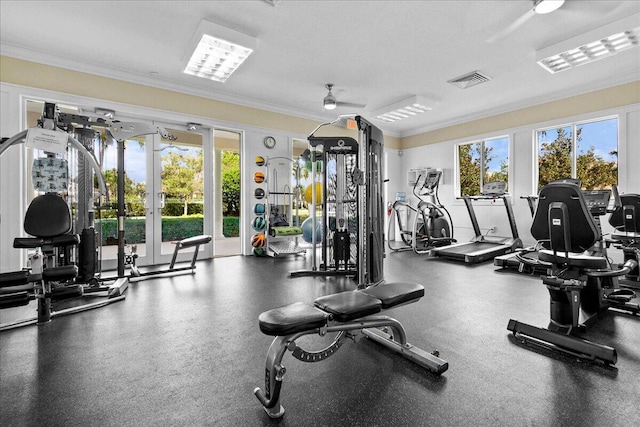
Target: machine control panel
597	201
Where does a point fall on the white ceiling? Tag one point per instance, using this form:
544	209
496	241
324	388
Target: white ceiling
375	52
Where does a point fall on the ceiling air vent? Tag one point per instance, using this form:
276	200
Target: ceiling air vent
470	79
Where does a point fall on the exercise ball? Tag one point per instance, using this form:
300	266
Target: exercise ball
259	209
258	223
260	161
309	190
307	230
259	193
258	240
258	177
258	251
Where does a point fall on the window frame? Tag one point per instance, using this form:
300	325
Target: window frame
482	141
574	147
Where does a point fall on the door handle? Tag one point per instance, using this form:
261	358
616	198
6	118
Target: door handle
162	199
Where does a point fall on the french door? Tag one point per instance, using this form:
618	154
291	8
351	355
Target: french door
167	195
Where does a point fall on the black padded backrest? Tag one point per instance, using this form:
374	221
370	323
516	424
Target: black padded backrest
48	215
566	199
627	216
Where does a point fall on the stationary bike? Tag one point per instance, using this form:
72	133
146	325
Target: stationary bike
625	218
581	281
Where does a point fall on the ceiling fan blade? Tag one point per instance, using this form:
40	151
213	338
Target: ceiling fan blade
349	104
512	27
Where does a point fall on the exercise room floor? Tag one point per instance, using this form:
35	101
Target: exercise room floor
187	351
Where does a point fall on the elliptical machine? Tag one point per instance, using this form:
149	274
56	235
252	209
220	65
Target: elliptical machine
431	224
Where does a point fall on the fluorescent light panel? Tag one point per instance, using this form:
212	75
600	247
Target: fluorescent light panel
404	109
614	41
218	51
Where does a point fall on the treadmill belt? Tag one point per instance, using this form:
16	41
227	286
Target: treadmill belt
474	252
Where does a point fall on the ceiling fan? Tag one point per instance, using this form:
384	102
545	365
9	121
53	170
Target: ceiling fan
540	7
330	102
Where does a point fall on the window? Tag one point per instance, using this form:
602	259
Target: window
587	151
480	162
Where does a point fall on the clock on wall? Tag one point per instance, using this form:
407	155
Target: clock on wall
269	142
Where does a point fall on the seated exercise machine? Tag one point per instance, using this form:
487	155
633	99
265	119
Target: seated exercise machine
51	277
625	218
427	225
58	267
581	283
483	248
525	260
345	313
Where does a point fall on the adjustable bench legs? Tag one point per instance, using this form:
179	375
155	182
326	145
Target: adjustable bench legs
274	370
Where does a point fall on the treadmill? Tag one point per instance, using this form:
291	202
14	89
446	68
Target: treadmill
483	248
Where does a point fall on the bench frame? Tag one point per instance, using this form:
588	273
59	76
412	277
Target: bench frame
375	327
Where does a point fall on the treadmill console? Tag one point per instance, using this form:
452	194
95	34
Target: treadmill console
494	188
597	201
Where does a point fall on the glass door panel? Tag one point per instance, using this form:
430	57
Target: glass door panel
135	190
179	193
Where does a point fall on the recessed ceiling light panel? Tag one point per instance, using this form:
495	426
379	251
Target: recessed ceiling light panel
404	109
217	51
592	46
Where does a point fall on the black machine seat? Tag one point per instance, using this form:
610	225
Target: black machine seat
392	294
346	306
37	242
48	219
290	319
626	218
557	203
48	215
572	259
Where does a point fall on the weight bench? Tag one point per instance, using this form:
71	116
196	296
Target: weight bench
190	242
341	313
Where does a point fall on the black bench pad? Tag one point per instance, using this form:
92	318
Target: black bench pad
291	319
14	278
346	306
63	272
392	294
194	241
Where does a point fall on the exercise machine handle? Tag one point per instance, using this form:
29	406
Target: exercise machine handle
627	267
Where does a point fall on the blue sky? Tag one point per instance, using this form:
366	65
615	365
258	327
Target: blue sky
601	135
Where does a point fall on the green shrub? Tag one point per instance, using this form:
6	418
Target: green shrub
173	228
230	226
178	228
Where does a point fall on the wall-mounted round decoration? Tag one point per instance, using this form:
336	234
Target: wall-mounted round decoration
259	209
269	142
260	161
259	193
258	177
259	223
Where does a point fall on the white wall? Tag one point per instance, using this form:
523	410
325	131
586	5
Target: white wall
521	171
